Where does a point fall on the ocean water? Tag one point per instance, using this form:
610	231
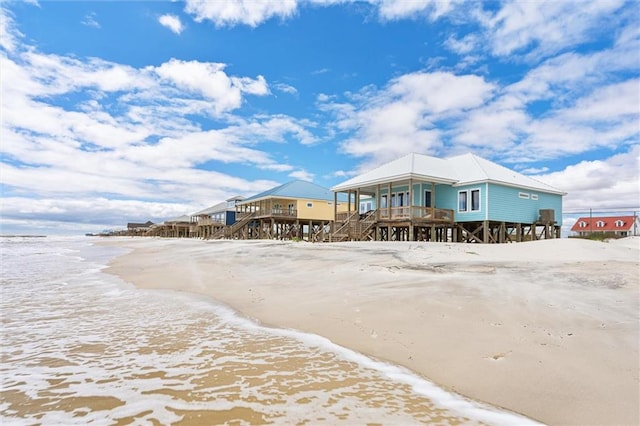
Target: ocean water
80	346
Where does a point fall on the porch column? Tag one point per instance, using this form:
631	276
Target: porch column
433	199
389	203
377	201
410	205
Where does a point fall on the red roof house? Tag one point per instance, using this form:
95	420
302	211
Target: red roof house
622	226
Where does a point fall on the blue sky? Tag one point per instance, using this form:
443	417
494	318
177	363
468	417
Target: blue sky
123	111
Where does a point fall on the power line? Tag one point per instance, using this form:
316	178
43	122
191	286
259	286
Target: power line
603	210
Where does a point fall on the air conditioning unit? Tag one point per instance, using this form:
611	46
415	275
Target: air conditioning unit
547	215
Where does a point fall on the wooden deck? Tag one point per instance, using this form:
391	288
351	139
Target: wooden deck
390	224
433	224
411	223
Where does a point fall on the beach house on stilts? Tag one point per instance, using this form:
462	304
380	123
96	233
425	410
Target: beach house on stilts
297	209
212	222
464	198
178	227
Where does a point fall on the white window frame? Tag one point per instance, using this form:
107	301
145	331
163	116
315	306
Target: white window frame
599	224
534	196
471	191
469	200
466	201
523	195
309	205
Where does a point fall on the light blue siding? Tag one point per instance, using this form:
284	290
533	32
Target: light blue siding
498	203
469	215
508	204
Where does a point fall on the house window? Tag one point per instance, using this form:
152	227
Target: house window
475	199
523	195
583	224
619	223
600	224
291	208
427	199
309	205
462	201
383	202
400	199
534	196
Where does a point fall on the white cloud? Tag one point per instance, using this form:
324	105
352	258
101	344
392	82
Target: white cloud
407	114
440	92
89	20
534	170
302	175
172	22
257	86
607	103
400	9
9	35
235	12
462	46
592	104
128	134
286	88
600	184
546	26
209	80
89	214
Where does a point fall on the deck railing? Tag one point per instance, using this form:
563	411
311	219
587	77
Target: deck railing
209	221
415	212
281	212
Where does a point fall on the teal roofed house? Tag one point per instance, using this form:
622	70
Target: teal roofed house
297	209
462	198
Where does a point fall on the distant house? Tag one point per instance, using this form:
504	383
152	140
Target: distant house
297	209
177	227
621	226
212	221
137	229
461	198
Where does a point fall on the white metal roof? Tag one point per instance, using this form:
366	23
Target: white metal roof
459	170
220	207
179	219
410	166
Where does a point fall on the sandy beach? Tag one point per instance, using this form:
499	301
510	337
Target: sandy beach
548	329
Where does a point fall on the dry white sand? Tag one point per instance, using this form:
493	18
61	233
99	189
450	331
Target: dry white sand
549	329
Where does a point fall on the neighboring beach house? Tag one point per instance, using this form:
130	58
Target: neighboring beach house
137	229
464	198
619	226
212	221
297	209
178	227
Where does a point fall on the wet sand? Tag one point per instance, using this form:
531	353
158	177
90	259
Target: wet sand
548	329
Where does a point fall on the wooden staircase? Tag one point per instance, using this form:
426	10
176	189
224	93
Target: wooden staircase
355	227
233	230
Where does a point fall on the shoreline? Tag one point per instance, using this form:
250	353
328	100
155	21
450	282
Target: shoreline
546	329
